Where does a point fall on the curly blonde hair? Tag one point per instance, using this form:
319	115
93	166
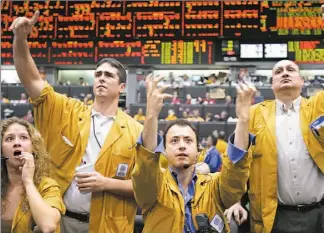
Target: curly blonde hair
41	157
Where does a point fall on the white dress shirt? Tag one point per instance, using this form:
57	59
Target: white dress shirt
299	179
74	200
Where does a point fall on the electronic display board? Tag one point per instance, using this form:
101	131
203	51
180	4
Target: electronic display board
311	51
275	50
136	52
251	51
83	25
135	32
272	19
168	19
230	50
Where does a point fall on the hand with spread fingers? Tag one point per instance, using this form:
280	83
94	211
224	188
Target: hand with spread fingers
22	26
155	95
245	95
27	168
238	212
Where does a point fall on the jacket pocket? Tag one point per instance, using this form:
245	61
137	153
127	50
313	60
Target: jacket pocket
60	148
162	219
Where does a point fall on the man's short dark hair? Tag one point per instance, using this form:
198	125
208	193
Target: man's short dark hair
183	123
214	139
116	64
222	135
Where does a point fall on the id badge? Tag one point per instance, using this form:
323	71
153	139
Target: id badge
122	170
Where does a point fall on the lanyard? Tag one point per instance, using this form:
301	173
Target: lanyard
94	131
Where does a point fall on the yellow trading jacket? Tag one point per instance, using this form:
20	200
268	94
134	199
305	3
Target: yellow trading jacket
263	174
50	192
57	116
162	203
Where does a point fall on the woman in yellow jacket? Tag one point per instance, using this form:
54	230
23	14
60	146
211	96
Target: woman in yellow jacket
29	198
172	198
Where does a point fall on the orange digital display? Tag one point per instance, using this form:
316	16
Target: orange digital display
76	30
306	51
83	32
272	19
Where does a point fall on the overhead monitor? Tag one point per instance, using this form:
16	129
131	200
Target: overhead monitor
251	51
275	50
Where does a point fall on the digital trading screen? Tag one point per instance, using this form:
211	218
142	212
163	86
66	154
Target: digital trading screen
230	50
306	51
251	51
275	50
140	32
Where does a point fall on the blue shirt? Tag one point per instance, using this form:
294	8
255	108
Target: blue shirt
189	224
213	159
234	153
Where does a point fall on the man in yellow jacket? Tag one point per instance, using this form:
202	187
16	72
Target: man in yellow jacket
287	172
172	198
94	140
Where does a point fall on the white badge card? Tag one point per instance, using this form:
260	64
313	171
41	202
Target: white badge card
122	170
217	223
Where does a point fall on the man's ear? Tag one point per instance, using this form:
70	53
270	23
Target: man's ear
199	148
122	87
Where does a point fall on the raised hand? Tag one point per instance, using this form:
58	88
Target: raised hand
155	95
22	26
245	95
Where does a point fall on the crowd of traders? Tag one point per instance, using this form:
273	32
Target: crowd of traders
106	164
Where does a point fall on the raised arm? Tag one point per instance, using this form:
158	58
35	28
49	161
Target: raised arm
237	160
245	94
147	174
24	63
155	98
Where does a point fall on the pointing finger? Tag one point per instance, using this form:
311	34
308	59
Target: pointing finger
34	19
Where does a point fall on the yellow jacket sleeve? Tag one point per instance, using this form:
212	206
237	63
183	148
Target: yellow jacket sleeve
147	177
50	191
53	108
233	177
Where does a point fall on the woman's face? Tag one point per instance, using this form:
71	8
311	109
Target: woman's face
15	140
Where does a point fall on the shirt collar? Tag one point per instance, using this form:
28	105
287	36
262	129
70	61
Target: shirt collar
175	175
294	106
210	149
98	114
